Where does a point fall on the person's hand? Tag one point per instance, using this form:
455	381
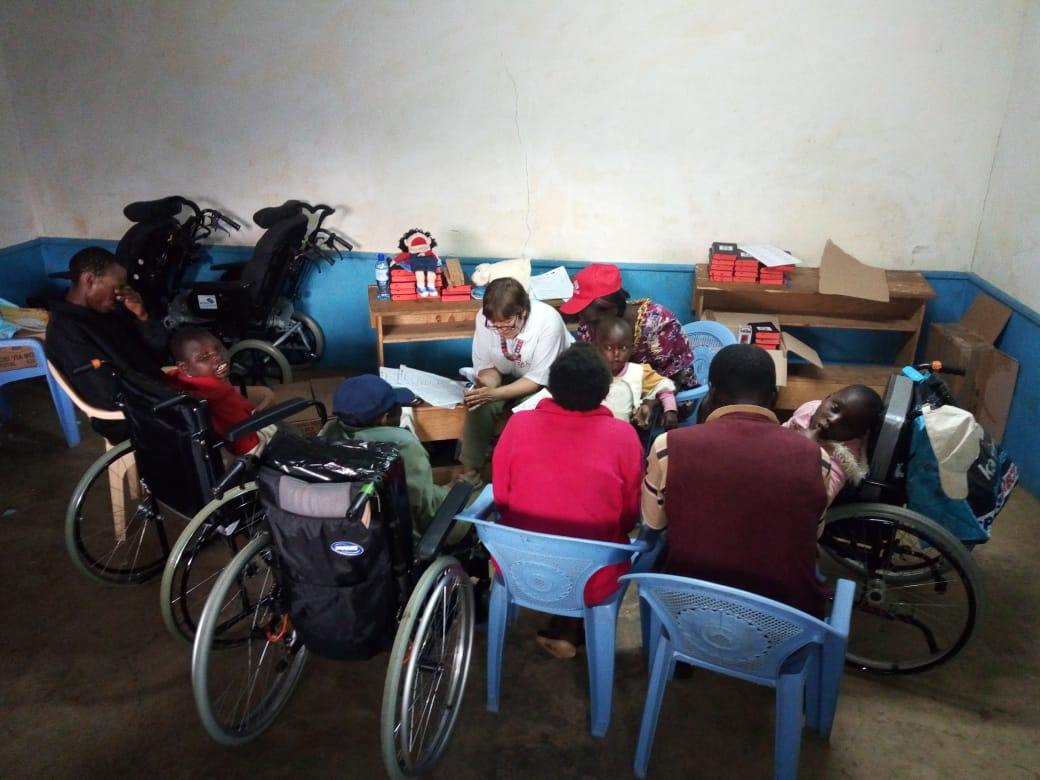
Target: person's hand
477	396
641	416
131	299
671	420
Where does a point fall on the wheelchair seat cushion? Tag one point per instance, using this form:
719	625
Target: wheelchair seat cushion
320	460
145	210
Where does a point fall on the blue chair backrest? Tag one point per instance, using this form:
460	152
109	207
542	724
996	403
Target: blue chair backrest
543	571
728	630
706	338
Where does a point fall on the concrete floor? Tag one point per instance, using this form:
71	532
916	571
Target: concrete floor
91	685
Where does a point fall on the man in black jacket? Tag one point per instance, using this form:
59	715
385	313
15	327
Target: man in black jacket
102	317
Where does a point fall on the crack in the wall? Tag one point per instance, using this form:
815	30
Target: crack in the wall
527	175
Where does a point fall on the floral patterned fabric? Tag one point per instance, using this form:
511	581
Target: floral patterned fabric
660	342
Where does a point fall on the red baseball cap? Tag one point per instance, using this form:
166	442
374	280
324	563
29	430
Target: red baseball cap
592	282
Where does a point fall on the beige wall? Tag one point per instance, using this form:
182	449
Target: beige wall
17	221
1008	250
610	129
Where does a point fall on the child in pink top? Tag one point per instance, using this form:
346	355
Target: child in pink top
841	423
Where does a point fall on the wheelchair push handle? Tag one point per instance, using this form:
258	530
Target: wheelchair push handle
365	493
93	365
937	367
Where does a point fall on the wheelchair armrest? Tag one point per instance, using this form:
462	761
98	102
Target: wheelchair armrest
482	506
213	288
433	539
228	266
270	416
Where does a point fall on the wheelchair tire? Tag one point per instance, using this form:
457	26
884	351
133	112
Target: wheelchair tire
259	363
918	592
243	615
306	346
423	691
208	543
101	551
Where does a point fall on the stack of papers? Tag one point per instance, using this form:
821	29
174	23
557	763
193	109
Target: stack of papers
434	389
770	256
552	285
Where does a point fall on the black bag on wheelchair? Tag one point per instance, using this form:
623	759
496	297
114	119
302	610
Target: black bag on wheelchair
338	574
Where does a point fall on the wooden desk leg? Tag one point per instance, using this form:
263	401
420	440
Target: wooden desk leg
379	341
906	355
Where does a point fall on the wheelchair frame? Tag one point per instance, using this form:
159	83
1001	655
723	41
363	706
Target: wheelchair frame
918	592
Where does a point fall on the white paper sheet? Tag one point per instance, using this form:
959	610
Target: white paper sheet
551	285
436	390
532	401
769	255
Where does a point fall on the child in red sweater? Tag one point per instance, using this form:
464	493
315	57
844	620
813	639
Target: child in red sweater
539	488
202	371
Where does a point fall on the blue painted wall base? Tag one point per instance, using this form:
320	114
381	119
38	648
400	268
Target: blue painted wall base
337	298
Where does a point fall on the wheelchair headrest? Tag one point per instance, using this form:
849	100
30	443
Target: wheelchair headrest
144	210
320	460
266	218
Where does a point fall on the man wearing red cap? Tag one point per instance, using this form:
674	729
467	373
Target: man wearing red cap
659	339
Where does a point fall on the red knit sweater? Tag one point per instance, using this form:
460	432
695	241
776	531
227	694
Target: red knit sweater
571	474
227	407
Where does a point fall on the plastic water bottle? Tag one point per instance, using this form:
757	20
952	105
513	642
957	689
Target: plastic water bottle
383	278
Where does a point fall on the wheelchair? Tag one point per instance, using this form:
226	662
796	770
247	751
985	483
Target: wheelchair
918	591
160	247
273	606
176	488
251	308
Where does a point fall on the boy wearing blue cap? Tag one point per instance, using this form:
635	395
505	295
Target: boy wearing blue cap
368	408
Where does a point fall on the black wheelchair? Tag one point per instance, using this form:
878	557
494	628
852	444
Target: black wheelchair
251	309
336	572
162	502
918	590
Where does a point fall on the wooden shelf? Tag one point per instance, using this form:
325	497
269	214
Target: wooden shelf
808	383
427	331
820	321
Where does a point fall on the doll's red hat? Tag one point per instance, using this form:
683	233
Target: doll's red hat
592	282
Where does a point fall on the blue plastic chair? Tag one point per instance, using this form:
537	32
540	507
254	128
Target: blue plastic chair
548	573
756	639
62	403
706	338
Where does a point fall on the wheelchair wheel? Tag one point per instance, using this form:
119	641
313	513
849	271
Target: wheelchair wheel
429	664
247	659
259	363
212	538
114	530
918	592
306	345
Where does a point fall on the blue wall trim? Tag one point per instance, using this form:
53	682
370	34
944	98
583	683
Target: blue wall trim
337	298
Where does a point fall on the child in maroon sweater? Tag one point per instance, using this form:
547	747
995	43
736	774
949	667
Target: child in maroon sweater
538	488
202	371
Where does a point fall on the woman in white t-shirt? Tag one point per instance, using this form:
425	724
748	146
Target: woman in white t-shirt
515	341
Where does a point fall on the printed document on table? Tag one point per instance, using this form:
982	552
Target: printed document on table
552	285
769	256
436	390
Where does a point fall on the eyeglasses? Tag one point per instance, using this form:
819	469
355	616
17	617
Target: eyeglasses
515	324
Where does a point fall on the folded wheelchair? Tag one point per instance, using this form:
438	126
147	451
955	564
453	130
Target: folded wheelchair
334	573
918	591
175	510
251	309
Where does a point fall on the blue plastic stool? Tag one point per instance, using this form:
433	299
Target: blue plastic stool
62	403
548	573
740	634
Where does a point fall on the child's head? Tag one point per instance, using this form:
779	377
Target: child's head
579	378
368	401
847	414
198	352
614	337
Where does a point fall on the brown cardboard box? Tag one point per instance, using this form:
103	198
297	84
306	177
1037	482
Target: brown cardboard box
788	343
323	389
12	358
308	421
989	381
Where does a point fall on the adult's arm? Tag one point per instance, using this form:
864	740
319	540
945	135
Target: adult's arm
69	347
654	484
671	352
155	336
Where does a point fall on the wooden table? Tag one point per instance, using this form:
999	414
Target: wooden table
801	304
427	319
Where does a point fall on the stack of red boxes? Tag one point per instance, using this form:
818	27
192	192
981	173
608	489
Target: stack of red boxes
765	335
729	263
402	284
723	259
458	293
